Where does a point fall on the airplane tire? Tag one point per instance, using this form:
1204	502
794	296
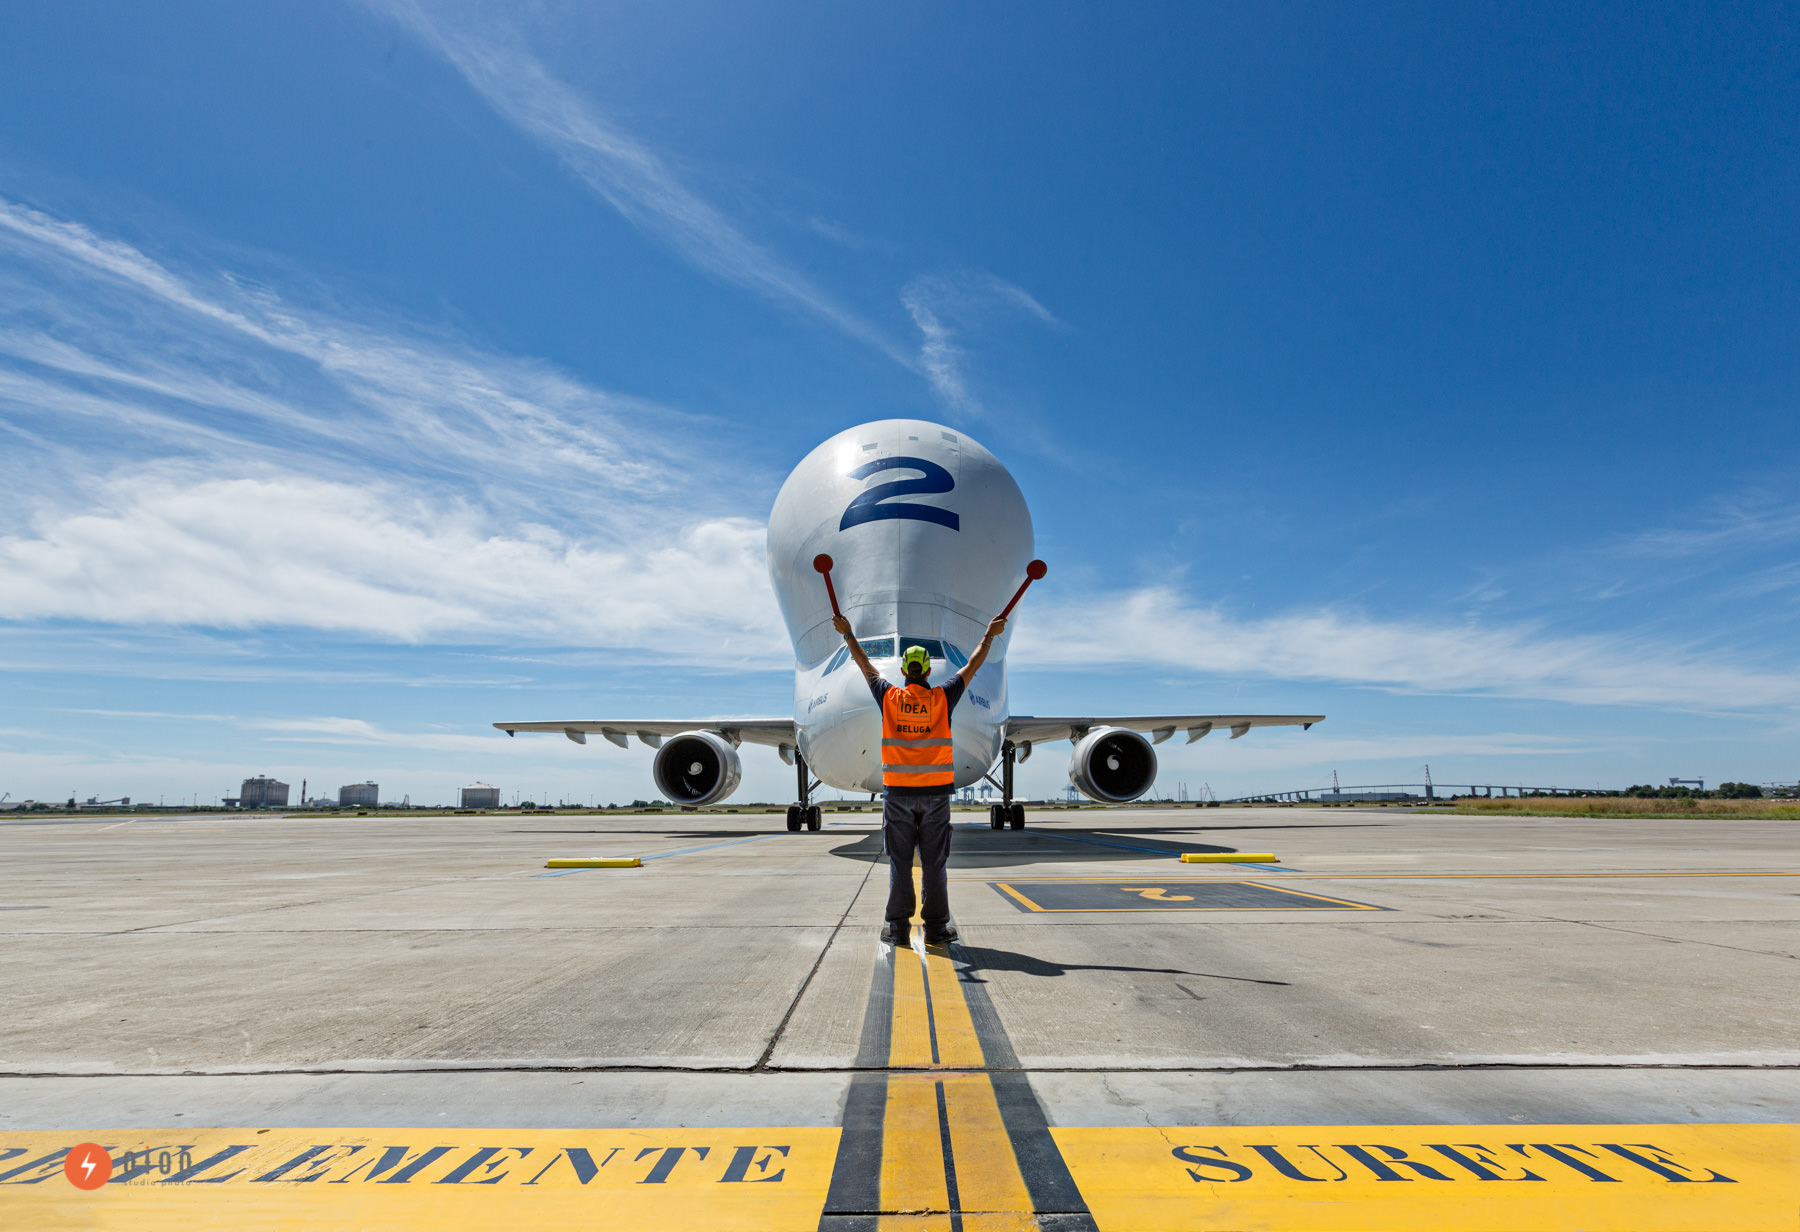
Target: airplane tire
995	821
1017	820
794	817
814	818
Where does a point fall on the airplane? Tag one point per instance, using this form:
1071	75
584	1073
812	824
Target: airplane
929	535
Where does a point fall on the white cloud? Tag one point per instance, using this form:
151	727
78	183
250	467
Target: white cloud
622	171
164	546
1161	627
307	469
311	470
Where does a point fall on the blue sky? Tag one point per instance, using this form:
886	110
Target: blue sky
371	372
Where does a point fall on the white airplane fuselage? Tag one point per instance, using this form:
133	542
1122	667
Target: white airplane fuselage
930	536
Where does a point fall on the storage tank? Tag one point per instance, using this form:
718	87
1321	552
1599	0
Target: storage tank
359	795
480	795
263	792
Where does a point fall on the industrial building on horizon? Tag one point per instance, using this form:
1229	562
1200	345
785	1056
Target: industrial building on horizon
359	795
260	792
480	795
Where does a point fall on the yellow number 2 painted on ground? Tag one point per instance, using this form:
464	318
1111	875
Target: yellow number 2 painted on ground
1158	893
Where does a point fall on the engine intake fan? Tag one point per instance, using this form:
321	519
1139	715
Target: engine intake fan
1112	765
697	768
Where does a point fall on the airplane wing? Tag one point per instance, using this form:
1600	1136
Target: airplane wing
777	733
1036	729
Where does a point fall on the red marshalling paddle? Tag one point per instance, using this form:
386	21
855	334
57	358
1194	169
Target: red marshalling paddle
1035	570
822	563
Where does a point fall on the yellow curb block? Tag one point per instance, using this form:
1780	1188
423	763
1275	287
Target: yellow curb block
610	862
1227	857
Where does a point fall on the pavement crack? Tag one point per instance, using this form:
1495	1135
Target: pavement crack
1638	932
762	1062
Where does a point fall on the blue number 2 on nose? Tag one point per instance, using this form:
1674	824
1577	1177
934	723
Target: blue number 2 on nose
871	506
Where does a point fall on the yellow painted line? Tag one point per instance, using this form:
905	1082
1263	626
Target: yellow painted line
1448	1178
448	1180
913	1181
1419	876
605	862
1227	857
987	1171
958	1047
911	1039
929	1003
1339	902
1011	893
1261	885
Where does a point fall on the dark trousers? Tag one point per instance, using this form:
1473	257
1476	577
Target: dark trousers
922	824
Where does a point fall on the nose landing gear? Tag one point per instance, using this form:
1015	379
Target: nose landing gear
1007	813
805	813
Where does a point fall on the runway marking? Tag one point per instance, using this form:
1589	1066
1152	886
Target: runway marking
1088	897
669	1180
949	1146
956	1150
1456	1178
1418	876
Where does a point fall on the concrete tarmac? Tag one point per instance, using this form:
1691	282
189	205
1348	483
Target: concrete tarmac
1119	1040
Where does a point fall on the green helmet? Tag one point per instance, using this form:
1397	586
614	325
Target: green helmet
916	654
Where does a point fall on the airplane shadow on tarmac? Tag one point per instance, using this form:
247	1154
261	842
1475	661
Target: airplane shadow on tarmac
974	960
981	848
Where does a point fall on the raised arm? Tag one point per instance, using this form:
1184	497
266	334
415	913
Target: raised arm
995	628
842	625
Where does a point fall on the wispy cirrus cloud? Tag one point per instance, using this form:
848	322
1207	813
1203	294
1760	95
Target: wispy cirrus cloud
203	364
1743	523
618	168
190	450
943	306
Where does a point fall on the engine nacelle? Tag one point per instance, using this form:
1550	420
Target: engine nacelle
696	768
1112	765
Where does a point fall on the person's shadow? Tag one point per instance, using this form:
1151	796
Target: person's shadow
973	960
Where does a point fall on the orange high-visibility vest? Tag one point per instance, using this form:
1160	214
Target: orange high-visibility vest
916	749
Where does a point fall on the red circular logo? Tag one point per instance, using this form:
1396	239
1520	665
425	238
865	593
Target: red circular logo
87	1166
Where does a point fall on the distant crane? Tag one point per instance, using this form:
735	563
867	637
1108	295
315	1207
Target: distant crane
1696	784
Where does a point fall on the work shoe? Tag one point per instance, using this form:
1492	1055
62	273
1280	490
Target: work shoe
940	934
897	932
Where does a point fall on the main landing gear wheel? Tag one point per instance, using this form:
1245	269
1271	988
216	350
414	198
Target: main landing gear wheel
814	819
996	817
1016	816
795	816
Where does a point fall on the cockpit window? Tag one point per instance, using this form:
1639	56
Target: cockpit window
937	649
888	647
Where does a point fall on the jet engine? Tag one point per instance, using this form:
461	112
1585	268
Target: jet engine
696	768
1112	765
